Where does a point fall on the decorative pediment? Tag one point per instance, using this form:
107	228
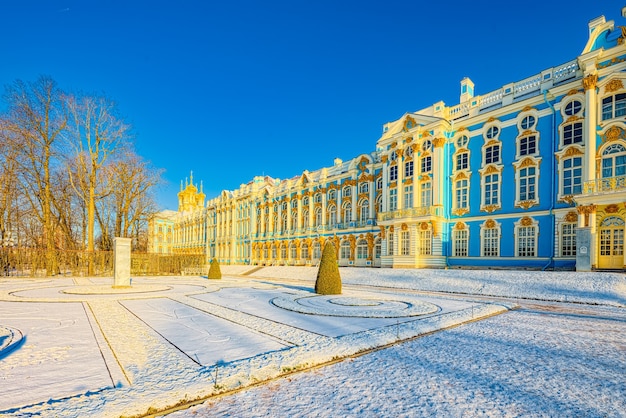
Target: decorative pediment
614	85
613	134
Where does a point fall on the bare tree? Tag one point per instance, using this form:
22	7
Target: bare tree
96	134
35	120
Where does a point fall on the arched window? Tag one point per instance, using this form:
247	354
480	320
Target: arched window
304	251
317	198
460	241
305	219
364	210
293	251
346	191
614	161
318	217
347	212
332	194
317	250
361	249
344	252
332	215
379	203
364	187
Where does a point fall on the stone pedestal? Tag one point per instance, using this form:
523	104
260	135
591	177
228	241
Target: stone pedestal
121	257
583	249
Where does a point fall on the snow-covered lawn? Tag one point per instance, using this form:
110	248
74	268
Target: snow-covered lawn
89	351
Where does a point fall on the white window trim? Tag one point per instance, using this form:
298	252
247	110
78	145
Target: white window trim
526	162
484	227
490	169
517	227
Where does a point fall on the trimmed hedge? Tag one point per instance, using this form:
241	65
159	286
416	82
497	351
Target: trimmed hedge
328	279
214	270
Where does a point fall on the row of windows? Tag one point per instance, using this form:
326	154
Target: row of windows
525	241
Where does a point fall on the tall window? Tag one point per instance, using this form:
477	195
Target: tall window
614	161
364	210
573	133
345	250
390	244
294	220
426	194
462	161
393	199
461	192
568	239
527	241
361	249
317	198
528	145
347	212
364	187
317	250
393	173
614	106
379	203
304	252
491	189
490	242
425	242
318	217
427	164
305	219
408	169
332	215
293	250
332	194
283	252
379	183
405	243
527	183
572	176
460	242
492	154
408	196
347	191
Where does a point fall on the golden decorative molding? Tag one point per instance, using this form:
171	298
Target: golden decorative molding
460	226
460	176
491	142
590	81
490	223
612	208
399	153
490	208
569	199
439	142
425	177
526	204
404	227
424	134
394	144
491	169
572	92
384	159
571	216
349	182
492	119
393	184
424	226
528	132
526	221
382	231
366	177
527	108
527	162
586	210
573	118
613	134
391	228
408	139
460	211
363	196
614	85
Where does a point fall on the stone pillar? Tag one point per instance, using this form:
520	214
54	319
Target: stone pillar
589	134
583	246
121	257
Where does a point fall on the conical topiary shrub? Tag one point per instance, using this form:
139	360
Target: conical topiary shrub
214	270
328	279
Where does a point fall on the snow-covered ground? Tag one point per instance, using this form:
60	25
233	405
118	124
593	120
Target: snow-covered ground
93	351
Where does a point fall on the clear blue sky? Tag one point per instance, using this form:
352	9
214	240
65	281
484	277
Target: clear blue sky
234	89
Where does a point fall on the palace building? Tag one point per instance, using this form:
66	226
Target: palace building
531	175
